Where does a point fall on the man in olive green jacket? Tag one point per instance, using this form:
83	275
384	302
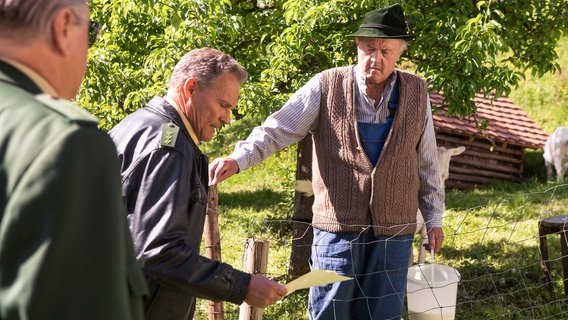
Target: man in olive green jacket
65	248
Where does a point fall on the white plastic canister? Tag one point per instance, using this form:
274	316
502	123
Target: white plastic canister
432	292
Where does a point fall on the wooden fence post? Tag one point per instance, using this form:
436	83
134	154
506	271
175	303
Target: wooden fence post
256	262
213	244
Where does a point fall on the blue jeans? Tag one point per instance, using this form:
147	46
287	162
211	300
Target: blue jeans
378	266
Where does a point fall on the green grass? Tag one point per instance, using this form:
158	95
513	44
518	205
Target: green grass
491	234
492	239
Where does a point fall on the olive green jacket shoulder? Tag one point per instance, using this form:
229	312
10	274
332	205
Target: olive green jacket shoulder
65	248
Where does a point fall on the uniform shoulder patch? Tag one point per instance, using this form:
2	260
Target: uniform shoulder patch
68	109
169	135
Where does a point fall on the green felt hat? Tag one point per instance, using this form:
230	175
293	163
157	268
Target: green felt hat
384	23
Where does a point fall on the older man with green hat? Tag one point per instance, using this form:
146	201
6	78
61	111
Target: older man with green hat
374	165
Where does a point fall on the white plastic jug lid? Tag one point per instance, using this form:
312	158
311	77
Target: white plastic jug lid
433	274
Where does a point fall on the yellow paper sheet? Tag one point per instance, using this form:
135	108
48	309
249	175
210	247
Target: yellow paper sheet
314	278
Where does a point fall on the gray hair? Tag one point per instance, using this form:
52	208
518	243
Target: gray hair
404	45
205	64
31	18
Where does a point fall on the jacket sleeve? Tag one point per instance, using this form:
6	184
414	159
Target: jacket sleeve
166	201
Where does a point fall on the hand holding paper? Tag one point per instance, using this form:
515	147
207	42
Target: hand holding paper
314	278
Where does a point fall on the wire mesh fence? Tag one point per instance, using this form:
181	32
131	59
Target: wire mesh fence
496	247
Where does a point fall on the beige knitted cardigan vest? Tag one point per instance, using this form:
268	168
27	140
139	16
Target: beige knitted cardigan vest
351	195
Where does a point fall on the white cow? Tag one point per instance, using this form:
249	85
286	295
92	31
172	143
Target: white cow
556	154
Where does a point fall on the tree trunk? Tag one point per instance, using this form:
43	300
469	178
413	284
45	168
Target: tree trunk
301	220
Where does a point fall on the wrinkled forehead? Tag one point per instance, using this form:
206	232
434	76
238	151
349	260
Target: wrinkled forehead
378	42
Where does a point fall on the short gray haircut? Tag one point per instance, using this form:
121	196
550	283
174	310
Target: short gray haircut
205	64
31	18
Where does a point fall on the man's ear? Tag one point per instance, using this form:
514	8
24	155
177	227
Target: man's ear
189	86
62	27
